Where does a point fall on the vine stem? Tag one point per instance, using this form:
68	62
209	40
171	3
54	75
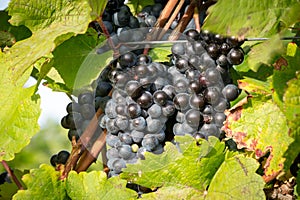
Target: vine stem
12	175
170	21
163	18
79	147
183	22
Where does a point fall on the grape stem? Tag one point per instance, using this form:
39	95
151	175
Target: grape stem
79	148
163	18
12	175
172	18
183	22
89	156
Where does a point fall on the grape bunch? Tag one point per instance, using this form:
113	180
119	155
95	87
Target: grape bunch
151	102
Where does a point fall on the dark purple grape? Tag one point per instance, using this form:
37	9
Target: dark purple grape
133	22
156	10
192	34
193	118
230	92
212	95
197	101
195	87
182	64
62	157
74	133
134	89
181	101
103	88
213	50
169	109
219	119
235	56
87	111
213	76
143	59
127	60
225	48
141	71
74	119
145	100
222	61
160	97
121	18
134	110
84	98
53	160
178	49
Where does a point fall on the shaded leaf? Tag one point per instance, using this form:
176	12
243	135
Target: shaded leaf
236	179
252	18
95	185
283	75
250	130
265	53
16	33
291	105
42	183
193	168
81	65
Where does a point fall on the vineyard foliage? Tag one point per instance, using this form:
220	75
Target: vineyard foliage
52	41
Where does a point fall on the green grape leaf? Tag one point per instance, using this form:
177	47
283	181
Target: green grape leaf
252	18
47	14
95	185
82	65
19	114
136	6
160	54
236	179
265	53
291	106
286	68
167	193
16	33
252	85
51	22
193	167
42	183
250	130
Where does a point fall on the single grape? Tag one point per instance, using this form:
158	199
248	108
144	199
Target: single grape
125	152
149	142
169	109
235	56
137	136
212	95
127	60
121	122
62	157
139	123
197	101
182	64
181	101
86	98
134	89
145	100
112	153
113	140
53	160
213	50
230	92
155	111
125	138
178	49
193	118
87	111
103	88
219	119
118	165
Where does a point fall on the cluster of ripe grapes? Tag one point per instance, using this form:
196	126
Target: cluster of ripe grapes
151	102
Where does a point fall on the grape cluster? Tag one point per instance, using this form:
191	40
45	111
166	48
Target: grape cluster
151	102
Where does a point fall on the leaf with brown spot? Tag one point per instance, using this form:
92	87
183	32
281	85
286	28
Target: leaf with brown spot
260	126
